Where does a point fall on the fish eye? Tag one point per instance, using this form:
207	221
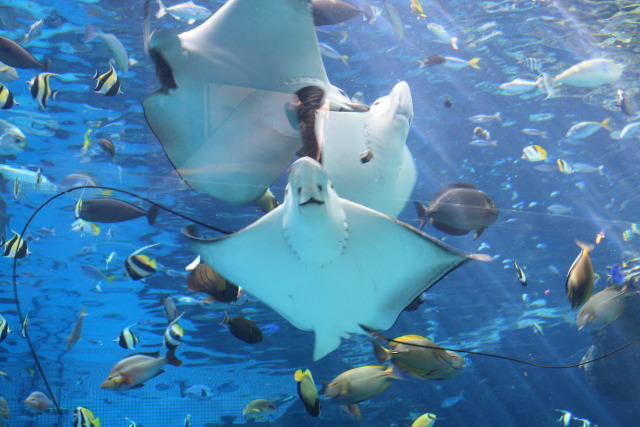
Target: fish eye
320	188
376	103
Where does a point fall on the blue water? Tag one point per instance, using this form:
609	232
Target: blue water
477	307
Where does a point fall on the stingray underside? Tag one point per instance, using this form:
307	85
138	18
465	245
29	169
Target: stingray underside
386	264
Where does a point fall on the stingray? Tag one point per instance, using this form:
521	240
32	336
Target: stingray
365	154
329	265
224	113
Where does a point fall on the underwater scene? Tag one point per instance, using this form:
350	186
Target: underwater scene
319	212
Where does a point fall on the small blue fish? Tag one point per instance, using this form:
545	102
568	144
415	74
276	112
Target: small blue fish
617	277
450	401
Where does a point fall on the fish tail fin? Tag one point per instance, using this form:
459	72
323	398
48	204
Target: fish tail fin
605	124
382	354
54	94
584	246
96	76
454	43
90	33
344	59
422	62
423	214
172	359
161	11
601	170
152	214
226	319
473	63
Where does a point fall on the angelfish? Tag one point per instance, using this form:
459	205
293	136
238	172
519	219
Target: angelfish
308	392
580	279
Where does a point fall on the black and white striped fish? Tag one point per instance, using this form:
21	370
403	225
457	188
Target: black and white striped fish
173	334
521	276
139	265
531	63
41	90
15	247
4	328
127	339
6	98
108	84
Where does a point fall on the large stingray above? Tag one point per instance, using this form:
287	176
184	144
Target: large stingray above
329	265
365	154
222	115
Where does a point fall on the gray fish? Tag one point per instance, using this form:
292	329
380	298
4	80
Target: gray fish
603	308
457	209
76	332
106	210
243	329
4	219
580	279
330	12
169	307
14	55
624	103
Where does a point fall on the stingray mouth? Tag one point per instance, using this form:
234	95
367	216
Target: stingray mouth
312	201
405	114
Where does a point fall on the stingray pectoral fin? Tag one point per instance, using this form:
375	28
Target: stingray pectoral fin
226	141
326	340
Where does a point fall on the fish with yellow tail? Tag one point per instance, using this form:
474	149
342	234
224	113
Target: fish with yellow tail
308	392
457	63
420	356
603	308
133	371
585	129
424	420
83	417
580	279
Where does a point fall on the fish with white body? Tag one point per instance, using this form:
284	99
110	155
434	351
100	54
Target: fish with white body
188	12
12	140
442	35
590	73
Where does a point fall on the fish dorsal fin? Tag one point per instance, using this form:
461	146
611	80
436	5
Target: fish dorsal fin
142	249
452	186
